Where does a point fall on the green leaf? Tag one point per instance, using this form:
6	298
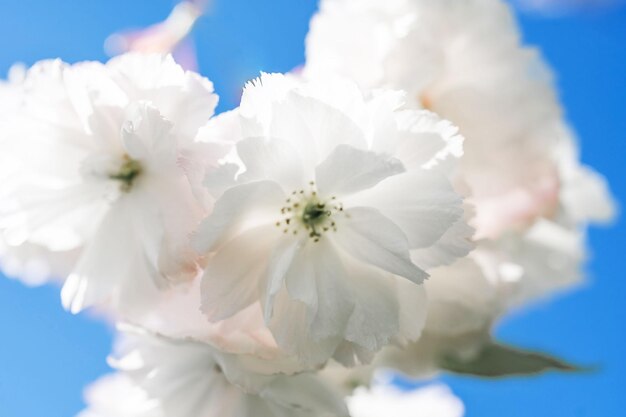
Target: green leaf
496	361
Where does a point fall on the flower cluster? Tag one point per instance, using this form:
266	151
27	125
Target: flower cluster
530	199
382	207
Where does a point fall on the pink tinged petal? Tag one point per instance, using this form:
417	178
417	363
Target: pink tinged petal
273	159
178	215
234	275
186	55
372	238
239	208
161	37
348	170
422	203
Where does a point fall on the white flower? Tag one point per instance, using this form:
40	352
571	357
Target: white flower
463	60
467	298
520	169
116	395
321	224
385	400
110	165
11	90
183	378
34	264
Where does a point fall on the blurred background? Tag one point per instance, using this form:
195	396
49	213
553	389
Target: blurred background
47	356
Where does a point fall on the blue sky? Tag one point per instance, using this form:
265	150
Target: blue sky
47	355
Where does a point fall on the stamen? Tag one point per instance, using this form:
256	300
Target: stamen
308	211
128	173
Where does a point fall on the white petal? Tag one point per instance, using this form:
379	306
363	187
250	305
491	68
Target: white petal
334	301
348	170
375	319
179	214
115	266
425	140
294	337
280	262
260	93
455	243
461	299
274	160
146	135
317	281
374	239
57	219
185	98
422	203
232	278
301	283
586	196
240	207
313	126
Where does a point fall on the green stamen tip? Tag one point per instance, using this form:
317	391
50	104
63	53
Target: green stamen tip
127	174
314	213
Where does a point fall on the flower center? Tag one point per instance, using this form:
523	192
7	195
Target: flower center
307	212
127	173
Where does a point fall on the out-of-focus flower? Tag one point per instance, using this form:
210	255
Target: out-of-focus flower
386	400
110	162
321	225
34	264
30	263
169	36
11	89
184	378
178	315
520	170
116	395
463	60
